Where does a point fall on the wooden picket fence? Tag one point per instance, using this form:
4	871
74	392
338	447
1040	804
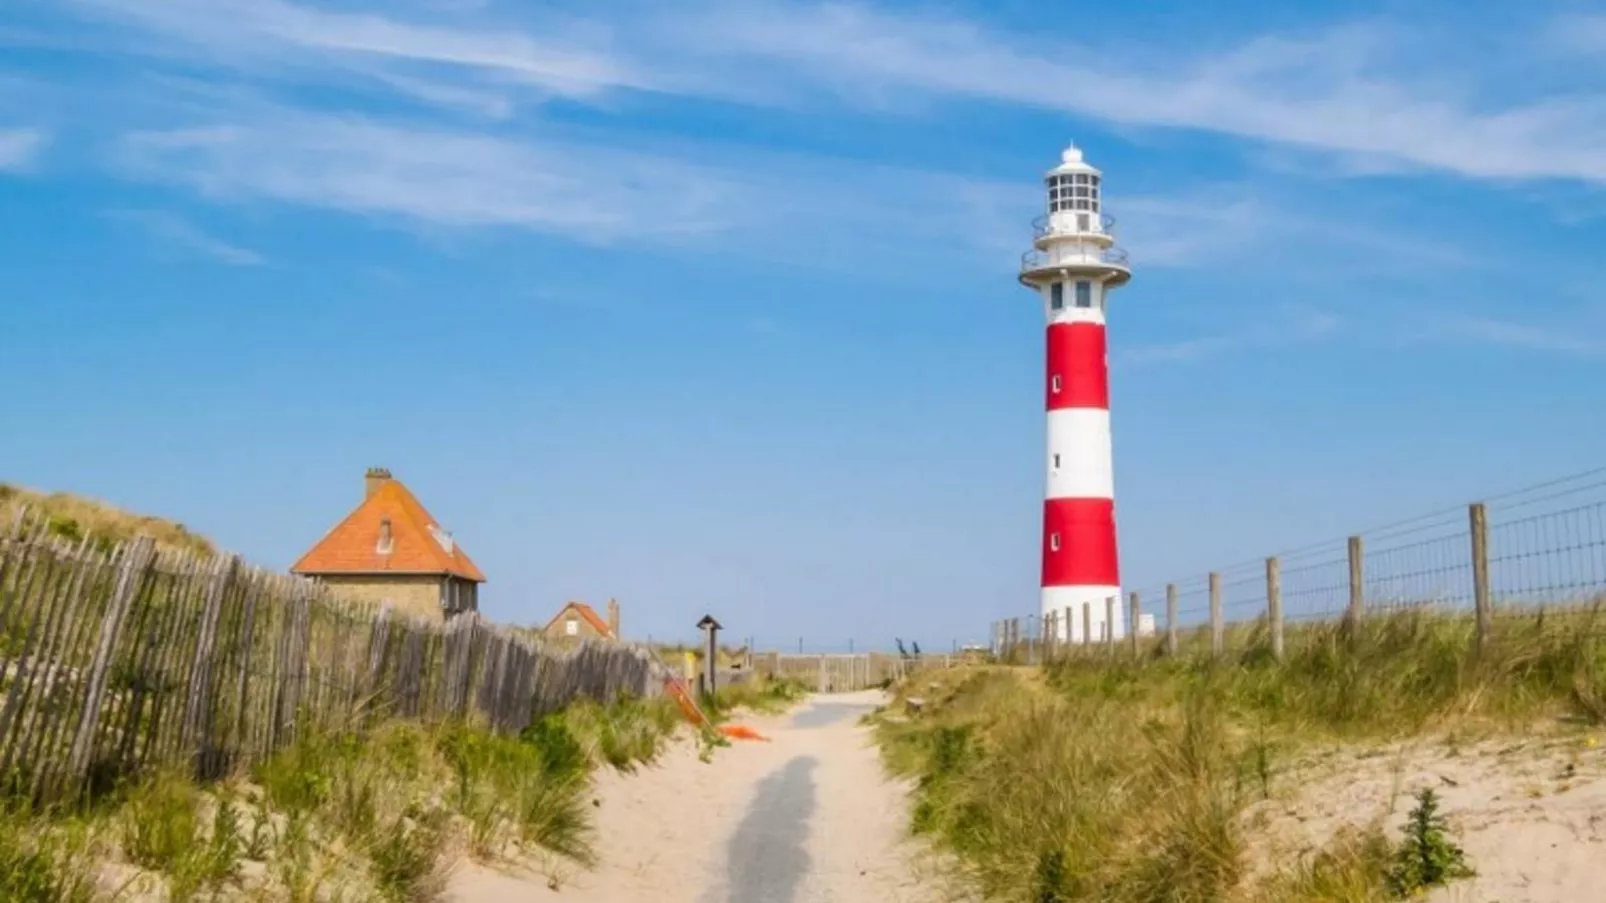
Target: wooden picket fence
116	660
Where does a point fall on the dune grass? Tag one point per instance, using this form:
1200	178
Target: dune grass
74	517
760	693
1113	780
378	816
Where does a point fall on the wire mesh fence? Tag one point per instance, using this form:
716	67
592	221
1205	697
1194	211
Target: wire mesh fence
1540	548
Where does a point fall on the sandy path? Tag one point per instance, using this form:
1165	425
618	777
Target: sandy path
805	818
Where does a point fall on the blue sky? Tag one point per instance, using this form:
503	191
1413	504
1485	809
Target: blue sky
711	306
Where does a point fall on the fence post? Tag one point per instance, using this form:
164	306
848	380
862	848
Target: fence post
1218	626
1357	583
198	721
1109	624
1171	619
1274	605
1033	624
1087	624
1132	626
1483	605
130	579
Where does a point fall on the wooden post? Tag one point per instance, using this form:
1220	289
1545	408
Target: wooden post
1109	624
1274	605
1482	603
198	719
130	579
1171	619
1087	625
1218	626
1357	583
710	629
1132	625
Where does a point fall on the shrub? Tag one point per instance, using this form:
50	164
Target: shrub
405	857
1427	858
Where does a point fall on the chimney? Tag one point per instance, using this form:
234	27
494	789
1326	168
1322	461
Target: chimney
613	618
373	479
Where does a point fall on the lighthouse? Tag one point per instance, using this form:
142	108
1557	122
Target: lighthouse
1073	267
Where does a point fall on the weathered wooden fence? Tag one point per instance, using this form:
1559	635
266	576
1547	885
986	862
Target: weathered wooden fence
116	660
845	673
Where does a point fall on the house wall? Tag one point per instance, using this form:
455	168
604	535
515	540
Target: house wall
414	594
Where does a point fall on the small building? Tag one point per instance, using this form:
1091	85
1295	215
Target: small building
577	620
390	550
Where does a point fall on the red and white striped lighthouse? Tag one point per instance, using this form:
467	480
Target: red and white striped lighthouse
1073	266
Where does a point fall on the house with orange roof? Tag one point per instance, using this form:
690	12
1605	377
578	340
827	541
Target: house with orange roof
390	550
577	620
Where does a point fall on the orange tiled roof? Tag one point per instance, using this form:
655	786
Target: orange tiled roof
584	611
352	547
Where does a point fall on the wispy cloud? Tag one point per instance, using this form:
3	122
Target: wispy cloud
435	176
20	148
1290	325
416	56
441	176
1340	90
1356	91
1579	340
178	231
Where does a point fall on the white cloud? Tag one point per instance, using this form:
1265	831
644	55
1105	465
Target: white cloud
441	176
181	232
1358	92
1338	91
1578	340
265	34
20	148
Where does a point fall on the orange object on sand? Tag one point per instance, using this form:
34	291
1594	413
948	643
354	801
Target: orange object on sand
742	732
688	707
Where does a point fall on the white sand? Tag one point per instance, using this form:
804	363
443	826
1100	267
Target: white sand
1531	814
805	818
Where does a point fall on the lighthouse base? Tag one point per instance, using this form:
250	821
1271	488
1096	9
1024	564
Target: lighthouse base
1067	603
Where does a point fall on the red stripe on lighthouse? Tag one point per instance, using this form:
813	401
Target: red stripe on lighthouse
1084	532
1077	374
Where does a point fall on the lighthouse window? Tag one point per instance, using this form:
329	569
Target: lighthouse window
1084	294
1056	462
1054	541
1056	296
1054	386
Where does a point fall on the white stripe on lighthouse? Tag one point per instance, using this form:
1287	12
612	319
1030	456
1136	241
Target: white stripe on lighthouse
1079	454
1057	600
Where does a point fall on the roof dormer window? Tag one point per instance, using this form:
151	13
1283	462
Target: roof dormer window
387	542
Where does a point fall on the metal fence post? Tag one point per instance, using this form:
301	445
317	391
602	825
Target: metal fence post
1218	627
1274	605
1483	605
